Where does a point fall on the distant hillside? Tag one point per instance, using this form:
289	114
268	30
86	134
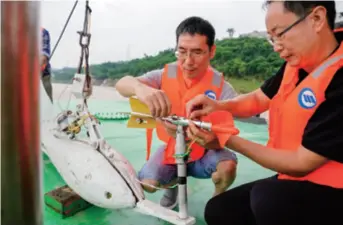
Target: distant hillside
239	58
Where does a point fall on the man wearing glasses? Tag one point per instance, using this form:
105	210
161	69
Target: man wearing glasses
305	101
166	91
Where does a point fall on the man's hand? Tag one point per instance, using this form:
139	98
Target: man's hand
200	106
207	139
44	60
157	101
170	128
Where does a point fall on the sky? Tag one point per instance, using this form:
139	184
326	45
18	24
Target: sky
128	29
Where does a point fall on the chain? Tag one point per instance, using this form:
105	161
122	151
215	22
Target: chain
84	42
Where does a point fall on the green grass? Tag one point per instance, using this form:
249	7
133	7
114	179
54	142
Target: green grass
243	86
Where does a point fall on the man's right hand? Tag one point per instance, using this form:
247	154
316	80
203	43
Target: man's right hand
157	101
200	106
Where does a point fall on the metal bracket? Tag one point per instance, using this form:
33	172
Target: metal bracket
178	120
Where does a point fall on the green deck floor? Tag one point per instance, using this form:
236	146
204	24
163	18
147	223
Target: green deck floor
122	138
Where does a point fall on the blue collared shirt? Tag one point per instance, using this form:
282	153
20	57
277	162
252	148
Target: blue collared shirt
46	50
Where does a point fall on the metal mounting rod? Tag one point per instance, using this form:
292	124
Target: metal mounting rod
180	149
21	177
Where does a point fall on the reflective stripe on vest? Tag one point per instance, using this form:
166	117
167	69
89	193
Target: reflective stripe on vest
325	65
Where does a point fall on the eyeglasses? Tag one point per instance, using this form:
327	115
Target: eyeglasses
192	54
278	37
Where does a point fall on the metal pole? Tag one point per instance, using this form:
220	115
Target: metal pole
20	76
181	172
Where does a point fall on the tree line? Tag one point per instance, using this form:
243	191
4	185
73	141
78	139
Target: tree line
242	57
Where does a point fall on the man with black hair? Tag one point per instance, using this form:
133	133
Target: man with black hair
165	92
305	102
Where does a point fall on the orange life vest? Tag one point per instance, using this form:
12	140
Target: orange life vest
292	107
173	85
42	68
339	29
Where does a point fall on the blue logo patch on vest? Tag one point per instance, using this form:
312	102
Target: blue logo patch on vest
307	99
211	94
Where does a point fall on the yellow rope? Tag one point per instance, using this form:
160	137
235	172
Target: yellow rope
188	150
189	146
76	128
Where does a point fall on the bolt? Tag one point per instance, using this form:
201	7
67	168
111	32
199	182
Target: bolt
108	195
